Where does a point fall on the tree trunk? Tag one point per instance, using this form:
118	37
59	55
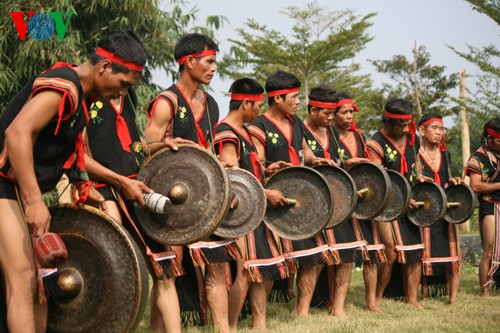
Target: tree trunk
415	81
464	122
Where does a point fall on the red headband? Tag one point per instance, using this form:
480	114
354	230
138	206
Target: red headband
493	132
347	101
250	97
427	122
398	116
205	53
322	105
117	60
413	128
282	92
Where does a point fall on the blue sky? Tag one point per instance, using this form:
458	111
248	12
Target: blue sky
396	27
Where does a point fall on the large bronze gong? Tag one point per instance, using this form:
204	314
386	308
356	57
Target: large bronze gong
103	285
461	202
373	185
431	200
250	206
312	203
398	199
198	187
343	189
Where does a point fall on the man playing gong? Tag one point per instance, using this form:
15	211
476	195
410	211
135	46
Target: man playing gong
395	147
483	169
278	135
441	256
114	143
40	139
185	111
261	263
346	241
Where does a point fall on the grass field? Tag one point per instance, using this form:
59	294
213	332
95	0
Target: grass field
471	314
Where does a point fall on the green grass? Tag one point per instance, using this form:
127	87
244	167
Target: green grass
471	314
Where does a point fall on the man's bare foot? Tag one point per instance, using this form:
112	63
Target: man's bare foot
485	292
452	300
415	304
373	308
296	313
340	314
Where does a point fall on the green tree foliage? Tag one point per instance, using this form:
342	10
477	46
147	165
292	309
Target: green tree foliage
320	49
419	81
158	29
484	100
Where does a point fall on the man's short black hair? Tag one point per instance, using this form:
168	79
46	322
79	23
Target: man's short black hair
396	106
125	45
322	93
428	116
280	80
244	86
191	44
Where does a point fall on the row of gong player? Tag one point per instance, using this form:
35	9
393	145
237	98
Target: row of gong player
198	188
103	285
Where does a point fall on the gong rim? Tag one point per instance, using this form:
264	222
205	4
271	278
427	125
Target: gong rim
344	193
206	204
467	198
434	209
300	221
251	206
399	198
101	254
375	178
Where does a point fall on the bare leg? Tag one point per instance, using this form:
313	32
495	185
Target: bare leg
167	305
217	296
306	282
370	277
342	279
165	314
487	230
385	269
18	268
454	283
413	273
258	304
238	293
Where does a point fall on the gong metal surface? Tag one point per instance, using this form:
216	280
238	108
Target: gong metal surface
250	205
434	204
198	187
375	180
399	197
465	197
103	285
343	189
313	208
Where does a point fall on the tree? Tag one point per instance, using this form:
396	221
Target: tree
418	80
319	51
157	29
484	101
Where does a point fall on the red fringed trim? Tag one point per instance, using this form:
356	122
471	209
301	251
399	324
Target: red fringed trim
427	266
41	298
198	257
234	251
336	257
401	257
381	256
